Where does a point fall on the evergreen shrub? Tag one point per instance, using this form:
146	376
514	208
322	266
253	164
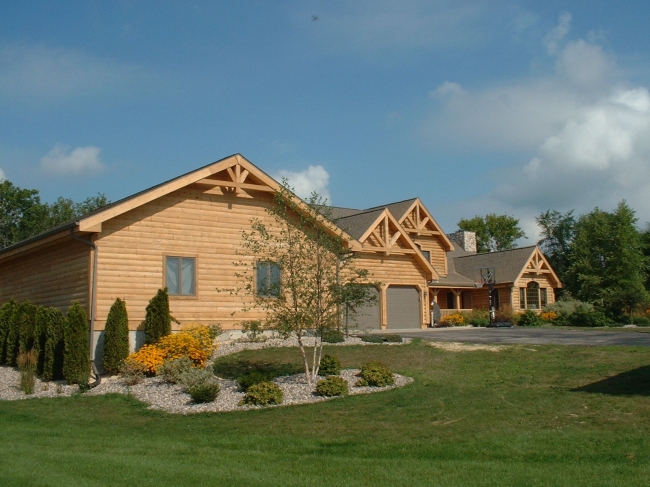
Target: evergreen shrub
205	392
375	374
41	319
529	318
393	338
332	336
116	337
158	320
372	339
332	386
252	377
329	365
584	316
6	323
54	345
263	394
194	378
76	360
26	326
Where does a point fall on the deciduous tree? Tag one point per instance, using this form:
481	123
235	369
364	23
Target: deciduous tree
493	232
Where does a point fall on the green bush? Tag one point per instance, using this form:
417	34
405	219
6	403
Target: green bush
158	320
193	378
329	365
54	345
172	370
41	320
529	318
584	316
26	326
332	336
478	317
76	360
332	386
372	339
375	374
393	338
252	377
205	392
132	372
641	320
567	305
116	337
6	324
263	394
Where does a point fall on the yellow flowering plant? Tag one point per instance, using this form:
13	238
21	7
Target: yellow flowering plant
455	319
548	316
150	357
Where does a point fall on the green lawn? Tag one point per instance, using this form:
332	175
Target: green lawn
524	416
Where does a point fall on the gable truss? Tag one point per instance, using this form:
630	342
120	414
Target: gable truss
418	221
538	266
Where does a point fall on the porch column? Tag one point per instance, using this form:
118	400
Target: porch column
457	298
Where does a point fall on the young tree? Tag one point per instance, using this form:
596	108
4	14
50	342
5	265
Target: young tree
557	233
301	272
493	232
608	267
116	337
76	358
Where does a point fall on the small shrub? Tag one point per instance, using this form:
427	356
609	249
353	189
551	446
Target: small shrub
158	320
76	359
332	336
566	305
641	320
478	317
548	316
171	370
205	392
116	337
456	319
332	386
132	372
252	331
393	338
27	362
253	377
329	365
194	378
375	374
194	343
263	394
372	339
150	357
529	318
584	316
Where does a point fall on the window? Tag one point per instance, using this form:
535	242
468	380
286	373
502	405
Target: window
543	297
268	279
180	276
532	295
495	298
522	298
427	255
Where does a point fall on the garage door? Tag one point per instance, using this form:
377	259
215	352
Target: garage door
403	307
367	316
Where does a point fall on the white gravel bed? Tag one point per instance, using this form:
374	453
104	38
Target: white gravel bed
171	398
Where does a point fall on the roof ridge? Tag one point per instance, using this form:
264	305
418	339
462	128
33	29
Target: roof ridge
392	203
496	252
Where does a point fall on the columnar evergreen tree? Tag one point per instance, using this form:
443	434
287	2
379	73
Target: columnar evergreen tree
41	320
116	337
76	359
6	316
158	320
54	345
26	326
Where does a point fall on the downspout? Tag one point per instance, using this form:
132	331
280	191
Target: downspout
93	294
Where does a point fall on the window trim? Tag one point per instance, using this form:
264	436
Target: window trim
268	266
196	274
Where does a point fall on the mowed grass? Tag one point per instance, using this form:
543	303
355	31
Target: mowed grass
523	416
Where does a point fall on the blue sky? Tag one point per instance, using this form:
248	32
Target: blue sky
509	107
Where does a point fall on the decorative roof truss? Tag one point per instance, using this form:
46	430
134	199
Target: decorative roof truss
234	180
417	221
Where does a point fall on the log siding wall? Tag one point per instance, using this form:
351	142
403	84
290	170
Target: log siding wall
55	275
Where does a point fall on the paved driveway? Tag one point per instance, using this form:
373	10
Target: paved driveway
530	336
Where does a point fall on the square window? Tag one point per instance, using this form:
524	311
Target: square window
268	279
180	276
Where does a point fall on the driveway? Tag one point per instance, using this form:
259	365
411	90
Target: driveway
530	336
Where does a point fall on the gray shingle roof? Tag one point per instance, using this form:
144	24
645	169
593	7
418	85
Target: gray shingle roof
508	264
398	208
357	224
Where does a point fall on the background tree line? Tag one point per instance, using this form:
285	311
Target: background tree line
23	215
601	257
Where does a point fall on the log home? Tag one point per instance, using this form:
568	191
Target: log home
184	235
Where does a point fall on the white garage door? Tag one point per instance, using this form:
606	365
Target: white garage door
403	307
367	316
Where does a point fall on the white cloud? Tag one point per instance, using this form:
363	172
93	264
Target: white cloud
45	73
553	38
82	160
583	125
304	183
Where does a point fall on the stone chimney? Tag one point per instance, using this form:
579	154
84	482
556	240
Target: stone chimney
466	240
